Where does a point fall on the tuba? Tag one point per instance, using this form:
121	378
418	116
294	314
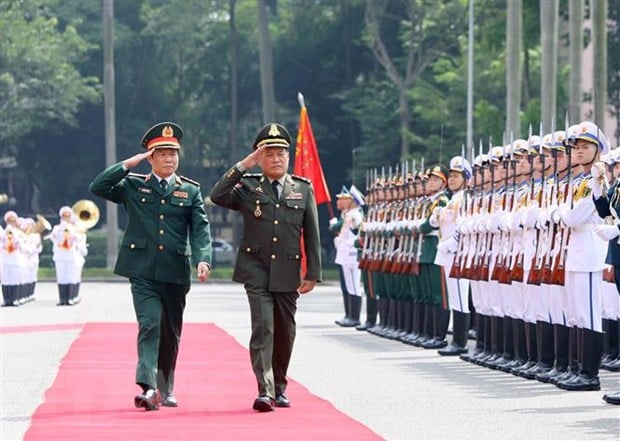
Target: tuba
87	214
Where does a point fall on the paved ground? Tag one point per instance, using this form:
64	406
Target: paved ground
399	391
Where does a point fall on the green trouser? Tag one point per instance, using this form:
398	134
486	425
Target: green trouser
159	311
273	335
431	281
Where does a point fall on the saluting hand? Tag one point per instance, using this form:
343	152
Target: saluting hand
253	158
137	159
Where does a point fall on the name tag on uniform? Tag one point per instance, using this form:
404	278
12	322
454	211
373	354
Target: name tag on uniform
180	194
145	190
293	196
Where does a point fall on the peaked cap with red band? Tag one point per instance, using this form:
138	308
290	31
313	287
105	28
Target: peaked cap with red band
164	135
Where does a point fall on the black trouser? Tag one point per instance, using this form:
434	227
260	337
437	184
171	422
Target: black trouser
159	310
273	335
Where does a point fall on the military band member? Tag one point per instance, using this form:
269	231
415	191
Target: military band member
69	252
12	259
279	210
167	231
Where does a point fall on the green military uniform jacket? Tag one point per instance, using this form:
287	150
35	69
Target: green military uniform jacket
166	231
269	254
430	232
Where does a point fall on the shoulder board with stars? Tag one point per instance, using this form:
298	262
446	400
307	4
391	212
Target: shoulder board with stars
137	175
191	181
301	178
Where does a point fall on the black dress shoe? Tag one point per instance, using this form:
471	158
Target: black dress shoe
282	401
168	400
582	381
365	326
149	400
612	398
263	403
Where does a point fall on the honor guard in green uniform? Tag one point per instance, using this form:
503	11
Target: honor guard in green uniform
167	230
280	222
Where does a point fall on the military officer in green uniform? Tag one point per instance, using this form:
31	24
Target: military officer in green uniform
279	215
167	230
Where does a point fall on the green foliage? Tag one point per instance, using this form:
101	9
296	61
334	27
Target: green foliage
41	86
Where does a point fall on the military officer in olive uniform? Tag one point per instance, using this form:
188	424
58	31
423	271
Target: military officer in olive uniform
167	230
279	210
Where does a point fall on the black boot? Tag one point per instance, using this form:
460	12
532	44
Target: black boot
518	347
460	328
478	330
417	311
508	344
572	369
441	319
371	314
381	323
610	362
355	307
347	315
486	341
560	350
497	341
544	344
407	320
588	376
532	350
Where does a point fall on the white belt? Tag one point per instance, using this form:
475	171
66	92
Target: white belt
433	233
585	227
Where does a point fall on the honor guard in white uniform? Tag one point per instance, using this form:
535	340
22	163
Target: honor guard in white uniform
460	172
347	251
69	252
585	255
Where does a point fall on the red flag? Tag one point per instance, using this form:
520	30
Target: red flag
308	165
307	162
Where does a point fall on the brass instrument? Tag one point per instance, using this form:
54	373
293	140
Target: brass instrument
87	214
41	225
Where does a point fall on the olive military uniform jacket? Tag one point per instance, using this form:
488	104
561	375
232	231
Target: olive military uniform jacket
269	254
166	231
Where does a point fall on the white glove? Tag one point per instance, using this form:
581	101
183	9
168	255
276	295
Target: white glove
595	185
530	215
434	217
556	215
607	232
333	221
449	246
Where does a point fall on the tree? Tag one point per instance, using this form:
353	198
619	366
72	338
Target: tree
40	85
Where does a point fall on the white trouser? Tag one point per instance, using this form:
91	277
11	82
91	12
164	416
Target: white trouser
476	298
513	299
353	279
68	273
536	303
11	274
496	299
583	291
557	300
611	301
458	290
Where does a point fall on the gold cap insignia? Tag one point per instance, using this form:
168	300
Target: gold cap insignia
273	130
167	132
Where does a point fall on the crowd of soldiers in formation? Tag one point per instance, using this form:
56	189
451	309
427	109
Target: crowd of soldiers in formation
20	247
526	234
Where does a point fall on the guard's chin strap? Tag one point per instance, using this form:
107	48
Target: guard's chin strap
589	163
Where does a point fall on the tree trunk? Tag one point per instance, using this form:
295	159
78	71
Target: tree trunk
266	63
575	14
513	66
110	124
549	42
235	152
599	66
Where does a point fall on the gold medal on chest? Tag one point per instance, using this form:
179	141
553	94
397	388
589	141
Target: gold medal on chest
257	211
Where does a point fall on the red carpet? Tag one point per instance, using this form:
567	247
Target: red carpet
92	396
